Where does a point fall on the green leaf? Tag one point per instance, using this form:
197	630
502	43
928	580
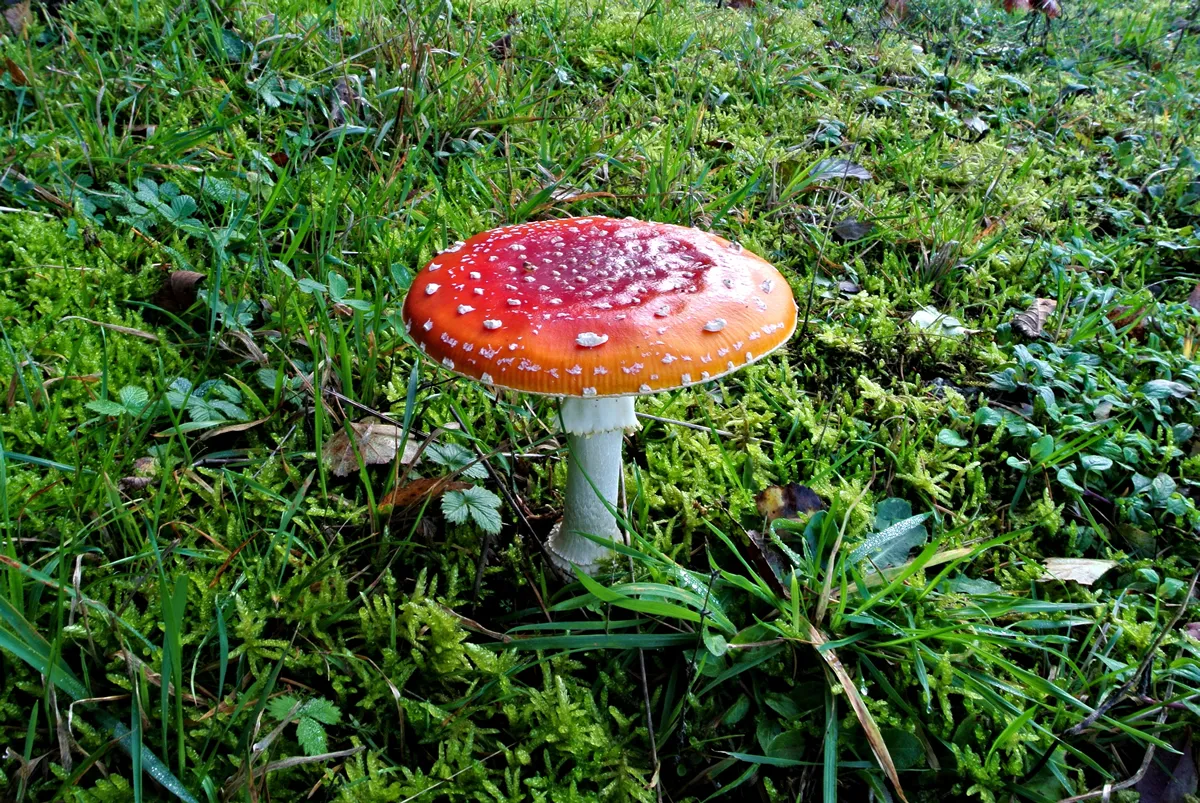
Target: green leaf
905	748
311	735
948	437
1042	449
1161	489
280	707
890	511
479	504
338	286
968	585
987	417
134	398
891	546
1164	388
309	286
182	206
106	407
322	710
454	456
1067	478
1094	462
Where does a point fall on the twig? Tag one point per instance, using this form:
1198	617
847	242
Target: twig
1105	792
294	761
1116	696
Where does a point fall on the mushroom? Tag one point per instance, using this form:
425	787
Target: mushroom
597	311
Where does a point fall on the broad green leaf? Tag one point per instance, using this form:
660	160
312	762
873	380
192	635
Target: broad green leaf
1042	449
905	748
106	407
322	710
134	398
891	546
281	707
311	736
948	437
454	457
479	504
1165	388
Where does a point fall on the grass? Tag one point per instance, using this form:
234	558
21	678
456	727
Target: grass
196	605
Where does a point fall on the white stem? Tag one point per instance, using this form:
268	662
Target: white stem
595	428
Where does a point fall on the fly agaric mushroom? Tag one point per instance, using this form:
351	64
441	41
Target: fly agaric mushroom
597	311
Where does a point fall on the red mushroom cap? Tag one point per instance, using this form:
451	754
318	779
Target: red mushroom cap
594	306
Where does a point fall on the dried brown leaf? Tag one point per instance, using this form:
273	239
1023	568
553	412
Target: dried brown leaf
376	441
787	501
415	492
1173	778
501	48
852	229
1032	322
18	17
1050	8
895	10
179	290
768	562
1133	320
18	75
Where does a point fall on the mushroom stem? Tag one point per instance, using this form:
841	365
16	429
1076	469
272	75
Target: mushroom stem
594	429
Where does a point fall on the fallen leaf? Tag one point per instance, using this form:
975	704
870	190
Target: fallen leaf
787	501
414	493
1032	321
280	158
501	48
852	229
345	99
938	323
1050	8
769	563
18	17
740	3
1084	571
1194	298
838	169
977	124
1170	779
179	290
848	288
895	10
719	144
18	75
1012	6
377	442
1130	319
